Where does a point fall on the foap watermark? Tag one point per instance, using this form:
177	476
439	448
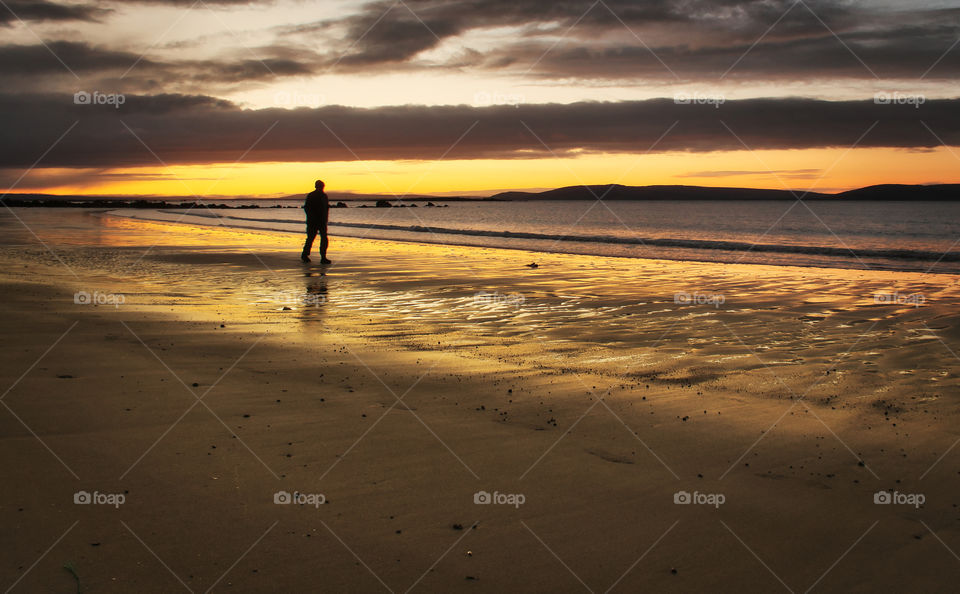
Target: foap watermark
498	498
914	299
485	99
715	100
298	498
499	298
99	298
292	298
698	498
699	299
98	98
98	498
298	99
898	98
898	498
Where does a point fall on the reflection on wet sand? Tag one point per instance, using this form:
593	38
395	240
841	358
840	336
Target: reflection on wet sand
315	298
674	323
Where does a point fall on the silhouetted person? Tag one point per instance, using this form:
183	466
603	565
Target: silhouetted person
317	207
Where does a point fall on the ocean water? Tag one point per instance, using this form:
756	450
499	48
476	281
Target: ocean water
910	236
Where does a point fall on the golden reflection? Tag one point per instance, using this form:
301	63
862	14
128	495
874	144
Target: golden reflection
122	231
314	299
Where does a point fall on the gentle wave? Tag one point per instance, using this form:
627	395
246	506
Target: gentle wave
733	246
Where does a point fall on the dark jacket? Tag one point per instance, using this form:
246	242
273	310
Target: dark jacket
317	205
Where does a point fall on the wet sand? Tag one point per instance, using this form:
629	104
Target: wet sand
405	378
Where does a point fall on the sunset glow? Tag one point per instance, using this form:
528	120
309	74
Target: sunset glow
231	99
821	170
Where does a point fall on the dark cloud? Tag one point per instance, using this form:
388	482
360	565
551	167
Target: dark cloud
40	60
417	25
766	39
686	40
182	129
396	41
252	69
41	10
892	54
55	57
683	39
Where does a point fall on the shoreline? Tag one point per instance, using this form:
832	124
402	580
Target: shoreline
559	299
686	249
399	395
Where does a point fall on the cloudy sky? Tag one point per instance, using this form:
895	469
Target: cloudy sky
259	97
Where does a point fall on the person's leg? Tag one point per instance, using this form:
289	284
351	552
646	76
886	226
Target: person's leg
311	235
324	242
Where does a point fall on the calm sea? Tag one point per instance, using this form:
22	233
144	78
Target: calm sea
914	236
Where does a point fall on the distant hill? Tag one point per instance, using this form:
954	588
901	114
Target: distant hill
942	192
902	192
618	192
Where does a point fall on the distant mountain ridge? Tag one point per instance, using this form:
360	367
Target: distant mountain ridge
934	192
618	192
897	191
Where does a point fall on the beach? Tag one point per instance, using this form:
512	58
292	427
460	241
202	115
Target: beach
448	418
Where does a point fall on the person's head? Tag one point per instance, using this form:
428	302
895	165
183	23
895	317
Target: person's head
318	184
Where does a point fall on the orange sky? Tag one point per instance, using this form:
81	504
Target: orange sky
827	170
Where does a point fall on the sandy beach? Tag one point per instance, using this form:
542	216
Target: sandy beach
636	425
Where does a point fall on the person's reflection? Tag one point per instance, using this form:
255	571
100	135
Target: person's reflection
314	299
